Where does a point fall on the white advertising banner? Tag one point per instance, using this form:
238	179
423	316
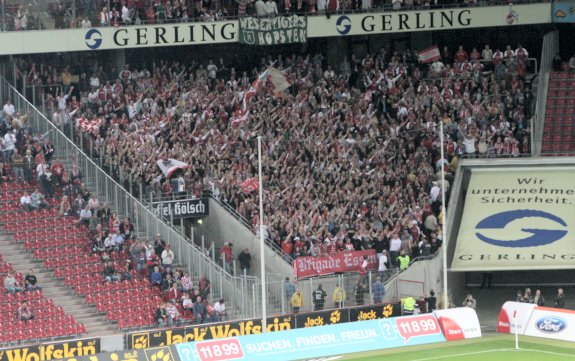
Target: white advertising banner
106	38
221	32
512	312
458	323
552	323
427	20
517	219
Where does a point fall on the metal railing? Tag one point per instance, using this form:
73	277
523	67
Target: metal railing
278	302
548	51
233	289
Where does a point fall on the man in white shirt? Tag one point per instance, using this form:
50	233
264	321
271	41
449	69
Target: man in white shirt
220	310
521	52
9	145
41	169
9	108
434	192
85	215
62	99
437	67
271	8
382	264
126	15
167	256
394	247
86	23
260	7
118	239
26	201
109	242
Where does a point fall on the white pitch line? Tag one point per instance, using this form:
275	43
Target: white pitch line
463	354
490	351
548	352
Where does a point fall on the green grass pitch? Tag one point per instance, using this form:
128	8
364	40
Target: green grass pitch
488	348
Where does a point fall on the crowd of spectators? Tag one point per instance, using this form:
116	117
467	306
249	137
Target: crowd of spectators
86	14
351	153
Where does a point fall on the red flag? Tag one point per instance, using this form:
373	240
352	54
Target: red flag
249	185
256	86
240	118
429	55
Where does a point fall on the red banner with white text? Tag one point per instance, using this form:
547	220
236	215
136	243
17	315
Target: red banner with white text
339	262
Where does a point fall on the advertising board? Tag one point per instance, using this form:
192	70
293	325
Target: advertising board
52	351
181	209
171	336
458	323
563	12
555	323
514	312
428	20
307	343
520	219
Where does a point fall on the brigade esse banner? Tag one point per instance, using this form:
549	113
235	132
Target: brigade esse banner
340	262
272	31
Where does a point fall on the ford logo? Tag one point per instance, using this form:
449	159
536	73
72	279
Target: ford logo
551	324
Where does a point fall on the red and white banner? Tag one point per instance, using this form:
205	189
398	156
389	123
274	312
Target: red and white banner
512	312
168	166
555	323
240	119
89	126
339	262
458	323
255	88
249	185
429	55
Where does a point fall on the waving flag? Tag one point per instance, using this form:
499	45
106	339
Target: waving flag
88	126
240	119
249	185
256	86
429	55
169	166
278	80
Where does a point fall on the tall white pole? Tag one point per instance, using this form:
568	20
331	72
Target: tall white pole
262	242
444	219
516	331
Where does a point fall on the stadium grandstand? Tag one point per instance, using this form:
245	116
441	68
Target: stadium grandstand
129	190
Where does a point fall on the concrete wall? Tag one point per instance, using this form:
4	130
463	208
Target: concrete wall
220	226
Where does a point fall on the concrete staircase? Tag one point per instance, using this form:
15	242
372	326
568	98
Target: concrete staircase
23	261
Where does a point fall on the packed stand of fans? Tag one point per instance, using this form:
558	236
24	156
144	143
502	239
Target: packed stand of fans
103	261
351	158
87	14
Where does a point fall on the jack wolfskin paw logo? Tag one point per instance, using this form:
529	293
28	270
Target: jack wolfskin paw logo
140	341
388	311
335	317
162	354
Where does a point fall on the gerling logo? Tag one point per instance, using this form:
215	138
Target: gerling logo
539	237
551	324
343	24
93	39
